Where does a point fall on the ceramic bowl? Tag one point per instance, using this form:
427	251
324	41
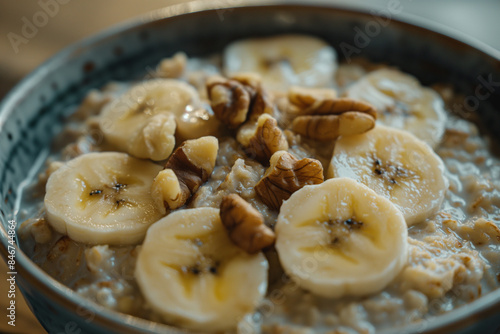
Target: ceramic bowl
33	112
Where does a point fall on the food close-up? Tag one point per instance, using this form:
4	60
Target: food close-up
269	188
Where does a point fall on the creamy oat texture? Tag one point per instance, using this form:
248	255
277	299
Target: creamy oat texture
454	255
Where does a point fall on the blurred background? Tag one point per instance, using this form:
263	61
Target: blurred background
24	46
76	19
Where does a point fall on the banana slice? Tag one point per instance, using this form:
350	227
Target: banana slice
339	238
102	198
403	103
143	121
283	60
191	273
395	164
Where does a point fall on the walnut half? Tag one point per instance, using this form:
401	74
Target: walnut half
329	127
304	97
285	176
187	168
327	119
237	99
230	101
245	225
262	139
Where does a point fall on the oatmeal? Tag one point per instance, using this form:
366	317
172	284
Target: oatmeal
274	195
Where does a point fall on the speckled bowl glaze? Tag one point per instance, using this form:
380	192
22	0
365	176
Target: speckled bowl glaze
32	113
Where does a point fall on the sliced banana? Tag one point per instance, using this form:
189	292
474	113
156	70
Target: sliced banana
339	238
102	198
395	164
403	103
143	121
283	60
193	275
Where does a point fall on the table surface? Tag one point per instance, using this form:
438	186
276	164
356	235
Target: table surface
78	19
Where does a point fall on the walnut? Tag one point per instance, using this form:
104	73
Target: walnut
338	106
245	225
286	175
41	231
261	102
327	119
238	99
173	67
262	138
329	127
230	101
302	97
187	168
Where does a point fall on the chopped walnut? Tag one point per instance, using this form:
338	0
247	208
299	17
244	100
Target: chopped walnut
261	102
329	127
302	97
286	175
338	106
230	101
479	231
238	99
187	168
262	139
173	67
41	231
51	168
245	225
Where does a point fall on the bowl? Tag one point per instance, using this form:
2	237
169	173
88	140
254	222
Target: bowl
33	112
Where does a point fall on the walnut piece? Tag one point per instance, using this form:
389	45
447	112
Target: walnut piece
339	106
329	127
260	100
285	176
155	138
327	119
262	139
245	225
41	231
185	171
304	97
230	101
173	67
236	100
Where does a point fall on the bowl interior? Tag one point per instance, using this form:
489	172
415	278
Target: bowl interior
34	111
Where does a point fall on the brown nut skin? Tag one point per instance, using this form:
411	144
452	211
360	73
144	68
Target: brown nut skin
304	97
186	170
173	67
263	139
190	176
230	101
261	104
286	175
245	225
328	127
339	106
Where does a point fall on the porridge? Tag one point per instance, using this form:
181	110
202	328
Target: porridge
270	190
